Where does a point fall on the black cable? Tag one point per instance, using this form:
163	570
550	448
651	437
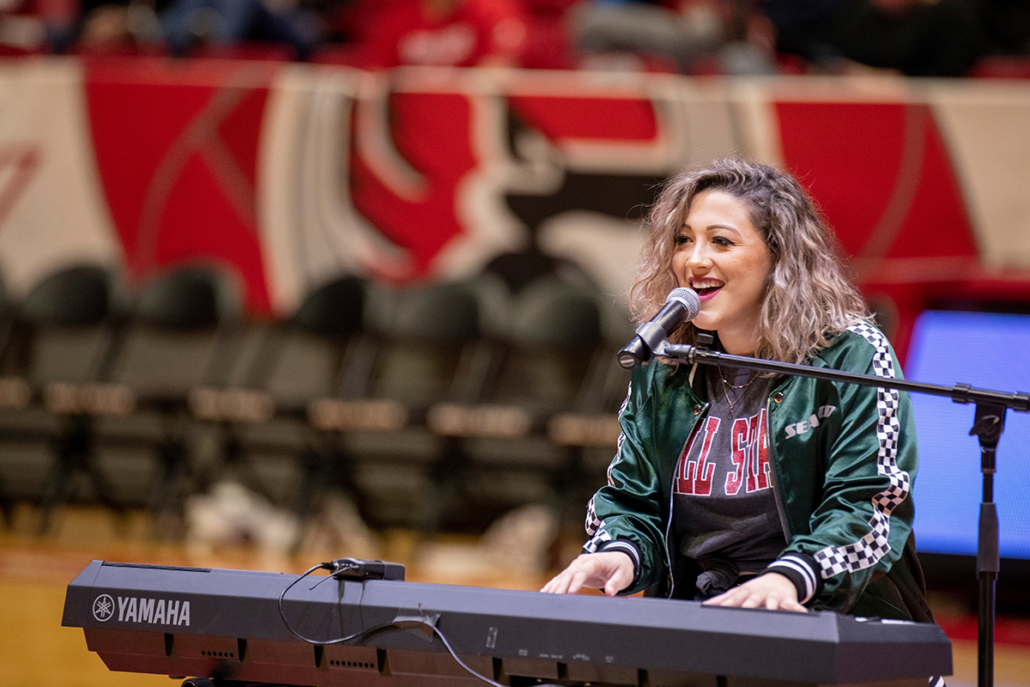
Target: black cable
447	645
321	642
373	630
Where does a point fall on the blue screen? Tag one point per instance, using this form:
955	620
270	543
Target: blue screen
987	351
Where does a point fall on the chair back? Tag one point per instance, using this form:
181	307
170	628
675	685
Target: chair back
304	357
65	326
434	341
555	332
183	332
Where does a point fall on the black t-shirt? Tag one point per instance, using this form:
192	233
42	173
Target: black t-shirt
724	509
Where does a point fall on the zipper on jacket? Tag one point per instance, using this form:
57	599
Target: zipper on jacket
672	492
775	474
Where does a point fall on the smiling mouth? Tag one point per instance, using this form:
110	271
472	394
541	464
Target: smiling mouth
707	291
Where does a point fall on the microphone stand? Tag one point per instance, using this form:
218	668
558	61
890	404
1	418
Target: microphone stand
988	424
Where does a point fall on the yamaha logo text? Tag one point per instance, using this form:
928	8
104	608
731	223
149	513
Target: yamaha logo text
131	609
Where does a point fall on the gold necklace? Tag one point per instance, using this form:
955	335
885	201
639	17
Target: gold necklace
726	386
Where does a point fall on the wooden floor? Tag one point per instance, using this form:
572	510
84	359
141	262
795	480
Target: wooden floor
35	651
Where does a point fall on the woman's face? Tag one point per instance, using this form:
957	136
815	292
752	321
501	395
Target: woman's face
721	255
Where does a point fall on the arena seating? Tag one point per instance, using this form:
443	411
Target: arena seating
184	333
519	443
103	372
425	404
61	336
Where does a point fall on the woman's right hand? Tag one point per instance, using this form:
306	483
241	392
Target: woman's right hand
611	571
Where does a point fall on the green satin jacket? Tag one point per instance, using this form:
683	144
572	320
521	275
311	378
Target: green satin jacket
843	460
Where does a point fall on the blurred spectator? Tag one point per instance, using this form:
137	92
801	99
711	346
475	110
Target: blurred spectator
455	33
328	21
189	24
1006	25
120	27
37	25
547	38
732	34
913	37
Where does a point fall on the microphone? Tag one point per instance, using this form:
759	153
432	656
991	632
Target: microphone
681	305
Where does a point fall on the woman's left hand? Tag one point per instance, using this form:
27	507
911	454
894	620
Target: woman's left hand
770	590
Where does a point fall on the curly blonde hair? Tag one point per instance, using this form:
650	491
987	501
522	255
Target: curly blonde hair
809	300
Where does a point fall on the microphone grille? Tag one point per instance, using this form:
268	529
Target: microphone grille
688	297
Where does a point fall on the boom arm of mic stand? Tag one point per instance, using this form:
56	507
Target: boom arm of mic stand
959	393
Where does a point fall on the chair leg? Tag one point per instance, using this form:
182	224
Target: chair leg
235	462
173	456
325	465
570	485
75	451
449	472
104	489
68	450
6	507
58	491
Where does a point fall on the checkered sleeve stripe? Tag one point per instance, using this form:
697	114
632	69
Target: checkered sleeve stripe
599	539
592	523
835	560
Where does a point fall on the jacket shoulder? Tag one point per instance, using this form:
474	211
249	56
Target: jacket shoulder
860	347
646	377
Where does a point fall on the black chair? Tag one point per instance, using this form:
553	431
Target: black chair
184	333
263	412
60	339
588	429
433	344
18	399
550	363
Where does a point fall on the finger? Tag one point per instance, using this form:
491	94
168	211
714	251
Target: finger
728	598
752	601
789	605
620	579
615	584
551	586
777	604
559	584
577	582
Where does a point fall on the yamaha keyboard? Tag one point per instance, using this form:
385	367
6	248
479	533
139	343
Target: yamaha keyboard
226	625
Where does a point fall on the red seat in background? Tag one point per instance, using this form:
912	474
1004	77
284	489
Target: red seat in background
246	50
1002	67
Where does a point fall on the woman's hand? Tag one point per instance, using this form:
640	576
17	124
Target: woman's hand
770	590
611	571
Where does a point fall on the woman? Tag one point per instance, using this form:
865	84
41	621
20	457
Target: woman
749	489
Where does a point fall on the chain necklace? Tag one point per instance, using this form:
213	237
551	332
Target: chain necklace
726	386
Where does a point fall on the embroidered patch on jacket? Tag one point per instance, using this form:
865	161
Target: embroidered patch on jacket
865	552
807	425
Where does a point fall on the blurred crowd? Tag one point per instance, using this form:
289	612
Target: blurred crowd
739	37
